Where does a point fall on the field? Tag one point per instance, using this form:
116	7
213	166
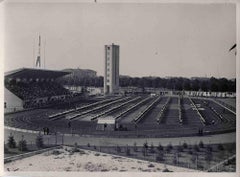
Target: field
136	116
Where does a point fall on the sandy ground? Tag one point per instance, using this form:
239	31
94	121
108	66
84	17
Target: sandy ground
85	161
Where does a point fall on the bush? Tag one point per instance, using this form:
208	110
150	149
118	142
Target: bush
190	152
22	145
166	170
185	145
151	165
201	145
160	147
145	148
11	142
145	145
169	147
56	152
220	147
75	148
39	141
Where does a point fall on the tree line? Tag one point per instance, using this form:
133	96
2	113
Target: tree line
173	83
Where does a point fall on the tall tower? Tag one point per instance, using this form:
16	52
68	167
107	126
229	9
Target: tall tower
111	75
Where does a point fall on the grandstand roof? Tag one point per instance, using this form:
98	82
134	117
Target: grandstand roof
33	73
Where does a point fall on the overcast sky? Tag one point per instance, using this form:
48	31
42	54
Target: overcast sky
155	39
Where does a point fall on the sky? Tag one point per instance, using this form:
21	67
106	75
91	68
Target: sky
155	39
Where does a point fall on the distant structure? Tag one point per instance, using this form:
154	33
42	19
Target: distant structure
38	61
111	75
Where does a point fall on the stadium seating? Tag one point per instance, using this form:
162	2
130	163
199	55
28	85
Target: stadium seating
33	90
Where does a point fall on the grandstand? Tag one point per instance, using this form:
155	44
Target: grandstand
28	88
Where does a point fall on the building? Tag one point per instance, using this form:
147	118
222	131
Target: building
106	124
111	75
29	88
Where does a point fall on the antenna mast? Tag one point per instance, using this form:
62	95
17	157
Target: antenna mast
38	61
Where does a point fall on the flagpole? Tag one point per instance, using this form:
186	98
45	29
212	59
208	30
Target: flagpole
33	52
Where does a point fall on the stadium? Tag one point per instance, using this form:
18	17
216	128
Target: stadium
36	103
166	114
173	108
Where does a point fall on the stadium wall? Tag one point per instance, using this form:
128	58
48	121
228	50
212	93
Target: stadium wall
12	103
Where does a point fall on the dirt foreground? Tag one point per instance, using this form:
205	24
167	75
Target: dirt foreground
85	161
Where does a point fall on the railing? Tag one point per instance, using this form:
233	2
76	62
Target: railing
217	113
225	105
180	110
145	111
160	117
200	115
78	109
28	154
97	108
94	109
114	108
131	108
220	165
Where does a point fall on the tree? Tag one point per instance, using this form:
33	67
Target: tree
39	141
169	147
220	147
160	147
185	145
5	148
145	148
22	145
11	141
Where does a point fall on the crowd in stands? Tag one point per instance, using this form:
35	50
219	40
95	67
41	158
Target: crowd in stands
33	90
